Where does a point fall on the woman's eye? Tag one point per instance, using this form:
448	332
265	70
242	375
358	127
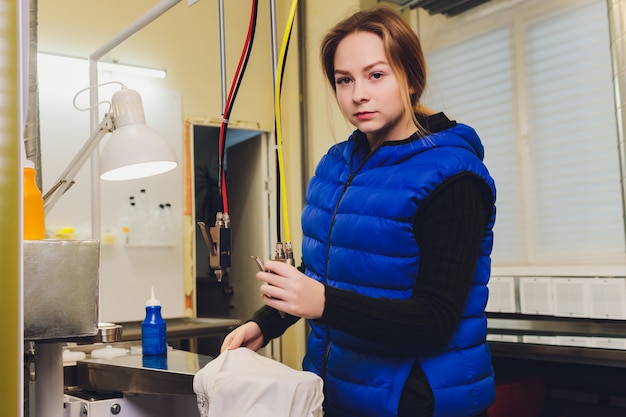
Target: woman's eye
377	75
343	80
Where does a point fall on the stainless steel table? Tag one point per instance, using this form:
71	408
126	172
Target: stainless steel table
168	374
136	373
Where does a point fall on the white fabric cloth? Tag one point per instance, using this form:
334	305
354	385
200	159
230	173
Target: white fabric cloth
242	383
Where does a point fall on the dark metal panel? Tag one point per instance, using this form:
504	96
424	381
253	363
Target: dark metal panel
460	7
445	7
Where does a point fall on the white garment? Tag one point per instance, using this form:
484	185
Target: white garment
242	383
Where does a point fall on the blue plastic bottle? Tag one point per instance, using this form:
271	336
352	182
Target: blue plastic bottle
153	330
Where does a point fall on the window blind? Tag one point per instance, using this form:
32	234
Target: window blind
472	82
558	181
577	200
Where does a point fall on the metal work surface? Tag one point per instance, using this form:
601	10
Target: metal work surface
184	327
171	374
136	373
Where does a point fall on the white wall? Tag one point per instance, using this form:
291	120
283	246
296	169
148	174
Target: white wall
126	272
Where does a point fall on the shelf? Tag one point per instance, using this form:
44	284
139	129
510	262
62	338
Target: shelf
520	324
184	327
528	325
150	245
611	358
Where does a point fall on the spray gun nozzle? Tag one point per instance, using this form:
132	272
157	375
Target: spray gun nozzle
284	253
219	241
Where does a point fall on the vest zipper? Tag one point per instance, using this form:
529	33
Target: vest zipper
332	222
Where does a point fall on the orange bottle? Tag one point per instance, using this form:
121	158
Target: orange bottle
34	225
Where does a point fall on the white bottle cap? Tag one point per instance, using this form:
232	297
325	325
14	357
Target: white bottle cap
153	301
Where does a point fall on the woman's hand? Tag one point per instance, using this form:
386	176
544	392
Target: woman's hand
291	291
247	335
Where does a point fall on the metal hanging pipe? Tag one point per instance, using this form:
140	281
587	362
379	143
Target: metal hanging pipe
220	14
49	385
273	40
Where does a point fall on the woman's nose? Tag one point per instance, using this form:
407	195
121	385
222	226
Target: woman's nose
360	92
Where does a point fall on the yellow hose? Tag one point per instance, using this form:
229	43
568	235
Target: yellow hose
279	139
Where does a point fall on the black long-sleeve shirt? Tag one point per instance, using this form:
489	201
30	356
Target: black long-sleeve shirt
448	228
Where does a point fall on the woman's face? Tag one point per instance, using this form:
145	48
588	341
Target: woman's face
368	91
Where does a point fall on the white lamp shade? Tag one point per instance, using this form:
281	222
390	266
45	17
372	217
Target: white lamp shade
135	151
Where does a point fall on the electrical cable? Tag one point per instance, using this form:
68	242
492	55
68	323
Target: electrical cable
279	139
228	105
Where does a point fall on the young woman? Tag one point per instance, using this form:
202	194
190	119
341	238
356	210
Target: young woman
397	240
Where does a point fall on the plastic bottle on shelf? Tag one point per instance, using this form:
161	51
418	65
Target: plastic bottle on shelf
159	228
132	212
142	219
34	223
131	222
170	236
142	203
153	329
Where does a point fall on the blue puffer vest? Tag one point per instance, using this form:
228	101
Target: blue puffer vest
358	235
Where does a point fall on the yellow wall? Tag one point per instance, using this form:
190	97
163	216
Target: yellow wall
326	126
185	42
10	365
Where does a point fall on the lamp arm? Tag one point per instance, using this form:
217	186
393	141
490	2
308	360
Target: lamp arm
156	11
152	14
66	179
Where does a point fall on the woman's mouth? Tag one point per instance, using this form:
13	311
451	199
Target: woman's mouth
365	115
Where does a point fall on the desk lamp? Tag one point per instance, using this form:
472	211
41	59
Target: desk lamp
134	150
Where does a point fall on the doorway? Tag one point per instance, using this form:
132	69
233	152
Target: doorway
248	167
